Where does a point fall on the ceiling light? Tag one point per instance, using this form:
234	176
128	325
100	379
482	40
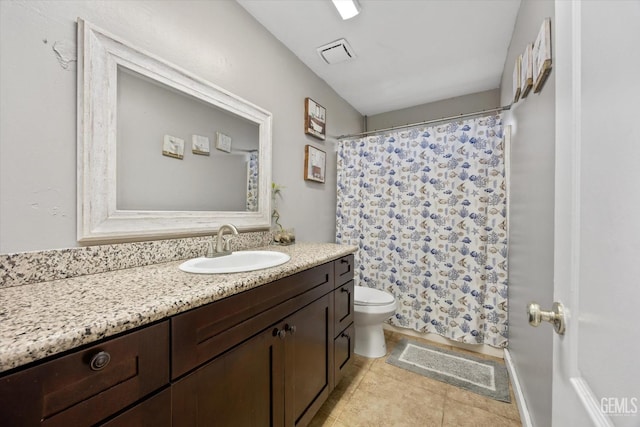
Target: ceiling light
347	8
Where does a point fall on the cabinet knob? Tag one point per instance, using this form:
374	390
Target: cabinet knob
345	335
290	328
344	290
280	333
99	361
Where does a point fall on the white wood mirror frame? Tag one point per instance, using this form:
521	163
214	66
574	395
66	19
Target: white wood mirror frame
99	56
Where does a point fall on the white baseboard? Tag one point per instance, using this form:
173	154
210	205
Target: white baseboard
525	416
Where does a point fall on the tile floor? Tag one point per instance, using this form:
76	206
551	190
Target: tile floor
375	393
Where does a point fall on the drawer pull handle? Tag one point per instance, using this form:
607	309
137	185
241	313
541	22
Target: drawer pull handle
99	361
344	261
344	290
344	335
290	328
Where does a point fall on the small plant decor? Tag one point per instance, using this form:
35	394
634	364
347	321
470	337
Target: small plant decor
281	236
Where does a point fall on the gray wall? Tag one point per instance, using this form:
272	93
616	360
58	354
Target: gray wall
215	40
531	216
435	110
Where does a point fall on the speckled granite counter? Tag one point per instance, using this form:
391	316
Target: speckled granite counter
43	319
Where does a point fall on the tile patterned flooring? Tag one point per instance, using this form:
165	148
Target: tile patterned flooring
375	393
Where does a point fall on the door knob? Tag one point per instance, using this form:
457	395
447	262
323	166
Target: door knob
555	316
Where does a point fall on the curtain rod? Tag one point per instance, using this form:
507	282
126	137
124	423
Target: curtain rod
444	119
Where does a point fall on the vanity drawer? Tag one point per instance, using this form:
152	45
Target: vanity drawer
86	386
343	306
203	333
343	271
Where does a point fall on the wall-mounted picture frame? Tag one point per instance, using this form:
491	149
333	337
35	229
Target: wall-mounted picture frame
541	56
200	145
315	119
223	142
172	146
526	72
315	161
516	79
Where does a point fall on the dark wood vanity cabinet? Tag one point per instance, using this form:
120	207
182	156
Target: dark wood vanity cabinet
268	356
265	357
278	377
88	386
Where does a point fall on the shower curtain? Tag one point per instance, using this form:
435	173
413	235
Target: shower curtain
427	209
252	181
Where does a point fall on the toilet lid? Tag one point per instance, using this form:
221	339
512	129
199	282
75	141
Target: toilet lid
370	296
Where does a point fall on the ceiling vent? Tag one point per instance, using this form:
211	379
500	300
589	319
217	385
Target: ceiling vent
336	52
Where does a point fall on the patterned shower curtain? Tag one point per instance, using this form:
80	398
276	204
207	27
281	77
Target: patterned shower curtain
252	182
427	209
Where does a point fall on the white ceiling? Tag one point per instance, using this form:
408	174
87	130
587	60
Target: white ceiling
408	52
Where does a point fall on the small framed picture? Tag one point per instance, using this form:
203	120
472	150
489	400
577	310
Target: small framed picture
315	119
541	56
173	146
200	145
516	79
314	164
223	142
526	72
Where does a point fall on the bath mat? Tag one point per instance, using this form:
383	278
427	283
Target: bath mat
481	376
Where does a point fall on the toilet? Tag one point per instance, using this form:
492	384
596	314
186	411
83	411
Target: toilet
371	308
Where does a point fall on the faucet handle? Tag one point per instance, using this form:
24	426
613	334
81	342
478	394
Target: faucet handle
211	250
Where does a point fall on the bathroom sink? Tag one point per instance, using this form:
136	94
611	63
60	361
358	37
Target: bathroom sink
235	263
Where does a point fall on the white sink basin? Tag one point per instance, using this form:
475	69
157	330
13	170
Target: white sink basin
235	263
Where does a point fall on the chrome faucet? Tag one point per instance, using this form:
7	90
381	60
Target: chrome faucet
222	247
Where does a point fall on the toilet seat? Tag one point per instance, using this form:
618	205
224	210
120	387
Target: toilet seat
371	297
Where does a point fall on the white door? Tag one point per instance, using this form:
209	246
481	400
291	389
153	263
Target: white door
596	372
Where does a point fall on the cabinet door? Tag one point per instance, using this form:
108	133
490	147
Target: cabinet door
242	387
343	350
343	303
308	356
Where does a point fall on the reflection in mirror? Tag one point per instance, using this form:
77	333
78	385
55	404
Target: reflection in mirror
205	178
161	152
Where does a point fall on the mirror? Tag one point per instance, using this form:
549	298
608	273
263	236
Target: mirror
161	152
147	179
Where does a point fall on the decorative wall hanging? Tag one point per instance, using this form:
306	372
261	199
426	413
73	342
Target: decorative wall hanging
516	79
223	142
314	164
526	73
200	145
314	119
541	56
173	147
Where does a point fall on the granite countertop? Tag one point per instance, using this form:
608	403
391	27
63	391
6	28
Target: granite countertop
43	319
